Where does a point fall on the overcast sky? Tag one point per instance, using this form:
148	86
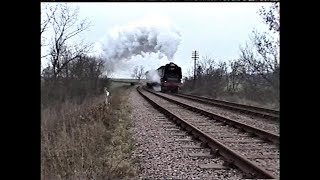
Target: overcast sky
214	29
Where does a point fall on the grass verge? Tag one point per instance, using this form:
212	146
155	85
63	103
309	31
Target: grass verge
87	141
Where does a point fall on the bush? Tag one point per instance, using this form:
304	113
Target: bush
87	141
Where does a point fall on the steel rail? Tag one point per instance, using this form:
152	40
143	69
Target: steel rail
231	156
253	110
257	131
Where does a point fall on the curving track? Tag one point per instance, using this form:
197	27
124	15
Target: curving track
252	150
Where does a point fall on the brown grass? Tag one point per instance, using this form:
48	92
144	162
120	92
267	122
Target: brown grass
87	141
240	99
236	99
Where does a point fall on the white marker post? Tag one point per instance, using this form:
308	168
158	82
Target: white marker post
106	96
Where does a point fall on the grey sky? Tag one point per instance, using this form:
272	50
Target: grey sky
214	29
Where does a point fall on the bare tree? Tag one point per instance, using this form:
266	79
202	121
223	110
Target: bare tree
235	76
262	56
135	72
46	73
207	63
82	77
272	16
211	78
47	15
66	25
138	72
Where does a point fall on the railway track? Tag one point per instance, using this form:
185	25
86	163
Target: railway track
263	129
257	122
252	110
252	150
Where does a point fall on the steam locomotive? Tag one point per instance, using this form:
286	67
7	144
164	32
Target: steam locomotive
168	78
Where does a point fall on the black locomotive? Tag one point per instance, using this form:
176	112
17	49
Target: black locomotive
169	78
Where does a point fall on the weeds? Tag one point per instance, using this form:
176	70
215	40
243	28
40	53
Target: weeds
78	142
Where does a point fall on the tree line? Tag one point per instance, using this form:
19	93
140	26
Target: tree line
71	73
255	75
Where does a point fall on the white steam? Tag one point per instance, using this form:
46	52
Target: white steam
157	88
153	76
153	35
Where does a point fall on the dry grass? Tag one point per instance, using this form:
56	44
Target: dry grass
88	141
241	99
245	101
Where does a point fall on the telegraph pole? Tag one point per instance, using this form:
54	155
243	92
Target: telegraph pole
195	56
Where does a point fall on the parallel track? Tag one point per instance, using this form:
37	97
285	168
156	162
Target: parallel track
224	138
256	122
252	110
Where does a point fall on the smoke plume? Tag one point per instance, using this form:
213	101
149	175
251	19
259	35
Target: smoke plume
153	76
154	35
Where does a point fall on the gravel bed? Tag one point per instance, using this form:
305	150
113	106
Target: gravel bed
194	119
258	152
253	145
265	124
159	156
236	138
267	163
273	160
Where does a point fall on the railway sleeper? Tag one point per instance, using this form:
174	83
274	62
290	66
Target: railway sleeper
233	158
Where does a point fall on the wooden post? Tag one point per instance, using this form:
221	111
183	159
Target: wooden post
195	56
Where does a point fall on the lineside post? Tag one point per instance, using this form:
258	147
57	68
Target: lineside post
195	56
